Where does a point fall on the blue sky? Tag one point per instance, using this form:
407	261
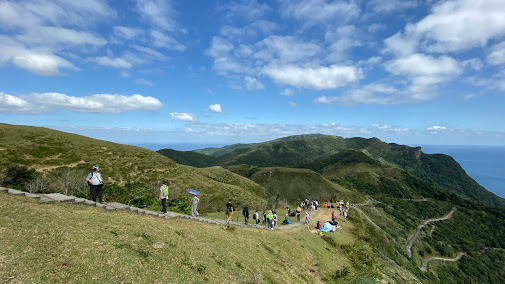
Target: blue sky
405	71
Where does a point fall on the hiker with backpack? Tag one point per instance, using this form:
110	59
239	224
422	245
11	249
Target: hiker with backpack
164	197
95	183
256	216
245	212
229	211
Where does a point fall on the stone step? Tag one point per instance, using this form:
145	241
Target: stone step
118	205
30	195
60	197
15	191
46	200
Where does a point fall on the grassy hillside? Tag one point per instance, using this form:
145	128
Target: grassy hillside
61	162
297	184
76	243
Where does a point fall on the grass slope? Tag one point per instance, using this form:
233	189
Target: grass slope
64	157
66	243
297	184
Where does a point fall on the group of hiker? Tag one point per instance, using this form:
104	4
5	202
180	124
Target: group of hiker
270	218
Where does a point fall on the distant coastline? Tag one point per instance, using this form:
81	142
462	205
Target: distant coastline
485	164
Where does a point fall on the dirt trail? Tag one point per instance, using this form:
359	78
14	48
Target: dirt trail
425	261
426	222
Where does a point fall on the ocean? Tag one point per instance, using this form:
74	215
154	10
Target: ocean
485	164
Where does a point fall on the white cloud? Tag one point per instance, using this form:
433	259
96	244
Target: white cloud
117	62
13	104
388	6
285	49
59	37
320	11
497	55
424	65
425	73
164	41
38	62
343	39
249	9
99	103
253	83
436	128
128	33
216	108
374	93
292	104
376	27
142	81
219	47
287	92
183	116
158	13
318	78
474	63
454	25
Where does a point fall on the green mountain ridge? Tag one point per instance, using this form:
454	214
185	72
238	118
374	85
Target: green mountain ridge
305	151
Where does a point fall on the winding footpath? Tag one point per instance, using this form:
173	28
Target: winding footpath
425	261
408	248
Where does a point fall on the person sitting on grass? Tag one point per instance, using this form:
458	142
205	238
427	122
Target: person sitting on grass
286	221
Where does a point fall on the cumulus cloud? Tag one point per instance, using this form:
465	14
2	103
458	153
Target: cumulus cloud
38	62
99	103
497	55
13	104
183	116
455	25
252	83
318	78
216	108
425	72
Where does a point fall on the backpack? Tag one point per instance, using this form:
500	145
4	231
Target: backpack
165	191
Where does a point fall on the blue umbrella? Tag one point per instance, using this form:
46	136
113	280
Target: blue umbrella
192	191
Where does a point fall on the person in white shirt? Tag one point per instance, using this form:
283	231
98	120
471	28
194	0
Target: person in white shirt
95	182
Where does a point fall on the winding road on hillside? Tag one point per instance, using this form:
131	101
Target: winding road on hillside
408	248
425	261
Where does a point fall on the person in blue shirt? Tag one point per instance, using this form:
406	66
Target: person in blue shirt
286	221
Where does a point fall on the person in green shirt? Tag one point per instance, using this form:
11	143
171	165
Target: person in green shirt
270	219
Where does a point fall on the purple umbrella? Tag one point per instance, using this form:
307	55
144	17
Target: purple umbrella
192	191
